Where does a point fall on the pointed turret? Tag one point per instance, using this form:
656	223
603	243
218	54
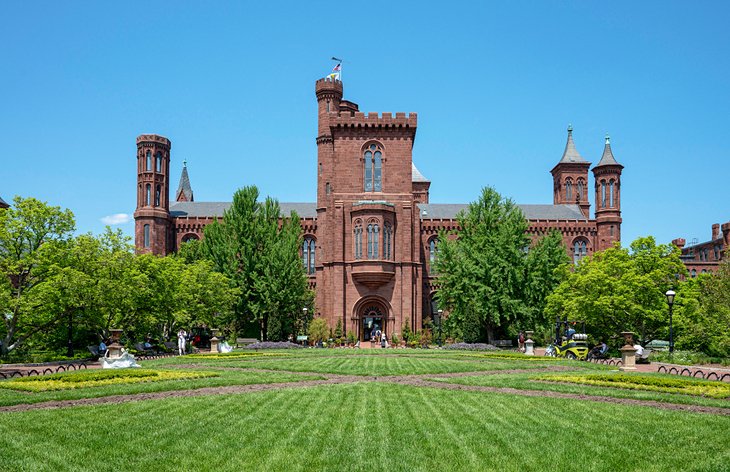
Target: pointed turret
570	178
184	191
607	174
421	185
571	154
607	158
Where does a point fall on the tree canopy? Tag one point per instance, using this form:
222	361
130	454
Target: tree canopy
489	273
622	289
260	255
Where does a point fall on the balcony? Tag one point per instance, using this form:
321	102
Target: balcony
373	273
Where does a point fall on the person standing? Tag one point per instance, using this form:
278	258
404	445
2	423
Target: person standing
181	340
521	342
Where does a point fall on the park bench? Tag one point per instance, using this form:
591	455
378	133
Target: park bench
240	342
94	350
503	343
148	351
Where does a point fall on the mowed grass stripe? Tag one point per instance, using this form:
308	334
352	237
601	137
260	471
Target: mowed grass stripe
485	431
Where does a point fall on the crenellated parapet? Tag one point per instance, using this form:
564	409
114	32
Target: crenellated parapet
328	86
152	139
374	120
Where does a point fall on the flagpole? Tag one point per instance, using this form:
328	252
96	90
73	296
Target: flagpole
339	62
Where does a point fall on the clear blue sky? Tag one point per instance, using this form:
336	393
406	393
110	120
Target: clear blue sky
494	83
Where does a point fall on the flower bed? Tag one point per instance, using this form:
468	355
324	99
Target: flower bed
273	345
705	388
471	347
97	378
513	356
233	355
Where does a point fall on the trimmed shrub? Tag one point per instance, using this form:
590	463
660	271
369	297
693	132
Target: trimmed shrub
471	347
273	345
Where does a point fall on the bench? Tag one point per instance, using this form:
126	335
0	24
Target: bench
147	351
240	342
94	350
504	343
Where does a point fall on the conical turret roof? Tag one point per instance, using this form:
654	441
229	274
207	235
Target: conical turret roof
416	175
184	190
607	158
571	154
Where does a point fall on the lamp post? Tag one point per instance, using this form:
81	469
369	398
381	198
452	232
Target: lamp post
70	349
670	301
441	320
304	312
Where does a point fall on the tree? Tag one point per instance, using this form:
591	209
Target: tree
488	276
621	289
260	256
32	237
318	330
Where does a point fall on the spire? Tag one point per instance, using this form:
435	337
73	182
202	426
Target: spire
416	175
184	191
571	153
607	158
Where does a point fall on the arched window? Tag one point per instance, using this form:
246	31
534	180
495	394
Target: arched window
157	196
373	174
694	273
149	161
580	250
387	241
568	189
158	161
581	186
610	193
603	194
433	245
148	195
373	241
146	235
358	240
308	255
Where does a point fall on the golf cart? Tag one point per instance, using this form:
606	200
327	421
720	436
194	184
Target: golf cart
567	342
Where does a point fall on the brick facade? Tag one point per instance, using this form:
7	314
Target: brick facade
372	229
700	258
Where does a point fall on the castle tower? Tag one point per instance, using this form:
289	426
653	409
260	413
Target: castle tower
570	178
607	174
329	96
184	190
152	215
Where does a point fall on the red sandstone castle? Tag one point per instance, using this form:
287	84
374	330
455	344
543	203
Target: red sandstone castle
371	236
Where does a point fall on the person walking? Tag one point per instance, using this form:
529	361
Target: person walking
181	341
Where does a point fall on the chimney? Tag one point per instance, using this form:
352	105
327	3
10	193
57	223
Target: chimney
715	231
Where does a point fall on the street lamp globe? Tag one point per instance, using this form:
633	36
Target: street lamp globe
670	297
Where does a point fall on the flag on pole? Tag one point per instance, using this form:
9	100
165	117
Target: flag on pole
336	72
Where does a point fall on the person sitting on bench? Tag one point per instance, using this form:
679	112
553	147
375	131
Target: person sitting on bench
599	350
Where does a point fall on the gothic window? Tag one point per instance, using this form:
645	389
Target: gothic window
610	192
373	174
580	195
373	241
158	161
148	195
603	194
157	196
308	255
694	273
580	250
149	161
432	251
568	189
387	241
358	240
146	235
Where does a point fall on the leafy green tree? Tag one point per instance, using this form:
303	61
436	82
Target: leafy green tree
621	289
260	256
32	237
702	313
318	330
488	276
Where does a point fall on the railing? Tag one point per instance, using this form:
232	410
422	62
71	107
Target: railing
606	361
694	372
48	370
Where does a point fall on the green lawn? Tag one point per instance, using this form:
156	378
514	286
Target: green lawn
367	365
525	382
226	377
364	426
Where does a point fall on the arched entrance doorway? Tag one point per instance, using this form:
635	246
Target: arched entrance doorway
372	321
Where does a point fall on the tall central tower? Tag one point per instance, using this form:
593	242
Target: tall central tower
152	216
